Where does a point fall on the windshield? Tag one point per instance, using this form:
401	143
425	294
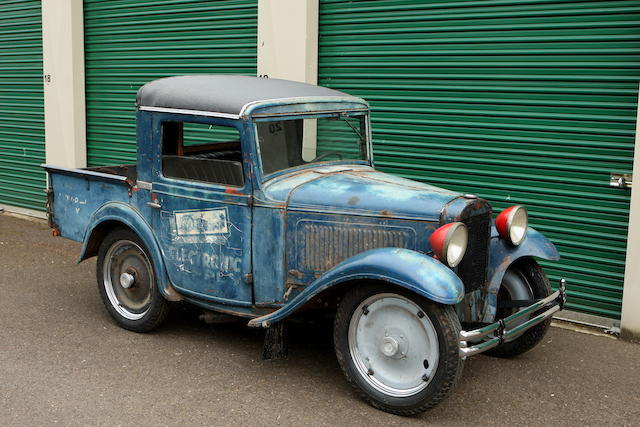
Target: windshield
288	143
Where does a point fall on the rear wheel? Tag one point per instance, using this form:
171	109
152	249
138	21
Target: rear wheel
524	280
127	283
399	350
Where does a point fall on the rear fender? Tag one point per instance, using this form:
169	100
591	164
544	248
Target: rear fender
402	267
117	212
502	255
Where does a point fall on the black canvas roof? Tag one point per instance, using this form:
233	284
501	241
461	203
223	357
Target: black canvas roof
225	94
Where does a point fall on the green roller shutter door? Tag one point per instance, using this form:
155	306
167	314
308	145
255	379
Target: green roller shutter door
131	42
521	102
22	181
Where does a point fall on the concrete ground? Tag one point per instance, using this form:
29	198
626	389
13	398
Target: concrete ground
63	361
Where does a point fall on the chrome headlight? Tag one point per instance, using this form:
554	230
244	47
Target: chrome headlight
449	243
512	224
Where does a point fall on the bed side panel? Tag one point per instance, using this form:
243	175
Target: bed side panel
76	198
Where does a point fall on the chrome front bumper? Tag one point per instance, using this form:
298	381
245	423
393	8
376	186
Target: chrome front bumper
492	335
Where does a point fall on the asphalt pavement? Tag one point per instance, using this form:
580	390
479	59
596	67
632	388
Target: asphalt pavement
63	361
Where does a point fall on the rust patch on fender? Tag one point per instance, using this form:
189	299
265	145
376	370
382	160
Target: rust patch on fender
296	273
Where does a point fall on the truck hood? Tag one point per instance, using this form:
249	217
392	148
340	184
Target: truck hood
358	190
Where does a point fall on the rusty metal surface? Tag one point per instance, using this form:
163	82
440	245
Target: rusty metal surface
357	190
405	268
322	246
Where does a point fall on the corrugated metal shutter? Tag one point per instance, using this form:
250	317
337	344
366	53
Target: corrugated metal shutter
530	102
22	181
131	42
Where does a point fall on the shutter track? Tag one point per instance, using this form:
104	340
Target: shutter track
22	180
520	102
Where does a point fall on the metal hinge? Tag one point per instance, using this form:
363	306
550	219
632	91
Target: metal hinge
620	180
144	185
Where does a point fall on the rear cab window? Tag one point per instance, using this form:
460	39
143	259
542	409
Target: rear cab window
202	152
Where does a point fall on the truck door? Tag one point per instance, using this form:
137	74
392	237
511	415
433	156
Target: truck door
203	219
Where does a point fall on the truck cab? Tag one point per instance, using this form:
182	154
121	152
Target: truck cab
220	225
259	198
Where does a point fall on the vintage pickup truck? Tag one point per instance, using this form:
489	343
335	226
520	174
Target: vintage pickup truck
258	198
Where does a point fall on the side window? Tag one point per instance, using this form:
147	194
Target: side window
202	152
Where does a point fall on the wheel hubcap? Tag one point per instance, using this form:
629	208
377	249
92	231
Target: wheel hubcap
390	347
128	279
393	345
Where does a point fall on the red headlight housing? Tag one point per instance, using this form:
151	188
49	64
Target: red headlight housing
512	224
449	243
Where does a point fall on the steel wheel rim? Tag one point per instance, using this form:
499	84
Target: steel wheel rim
381	329
127	258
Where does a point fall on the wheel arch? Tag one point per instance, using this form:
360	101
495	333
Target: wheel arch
328	298
503	255
403	268
114	215
96	236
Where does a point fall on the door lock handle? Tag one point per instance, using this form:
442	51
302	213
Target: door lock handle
620	180
154	205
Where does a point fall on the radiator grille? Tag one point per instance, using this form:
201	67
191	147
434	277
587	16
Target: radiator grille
322	246
472	269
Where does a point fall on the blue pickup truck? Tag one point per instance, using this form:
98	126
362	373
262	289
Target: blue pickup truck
258	198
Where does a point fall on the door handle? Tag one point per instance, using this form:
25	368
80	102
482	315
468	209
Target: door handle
620	180
154	205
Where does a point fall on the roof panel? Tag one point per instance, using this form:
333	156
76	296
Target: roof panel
223	93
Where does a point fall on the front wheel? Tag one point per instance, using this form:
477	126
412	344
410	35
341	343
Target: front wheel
399	350
127	283
524	280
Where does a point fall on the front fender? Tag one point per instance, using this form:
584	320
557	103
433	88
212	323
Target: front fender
403	267
502	255
127	215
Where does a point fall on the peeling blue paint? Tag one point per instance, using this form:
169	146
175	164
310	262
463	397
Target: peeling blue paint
333	189
401	267
502	255
274	243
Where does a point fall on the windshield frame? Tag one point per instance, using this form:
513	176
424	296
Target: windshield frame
312	115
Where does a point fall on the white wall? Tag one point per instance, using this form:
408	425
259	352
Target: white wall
630	323
64	99
288	39
288	49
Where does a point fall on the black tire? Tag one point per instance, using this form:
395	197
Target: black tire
140	307
530	275
442	379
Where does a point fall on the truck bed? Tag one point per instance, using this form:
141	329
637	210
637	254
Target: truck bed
128	171
75	194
